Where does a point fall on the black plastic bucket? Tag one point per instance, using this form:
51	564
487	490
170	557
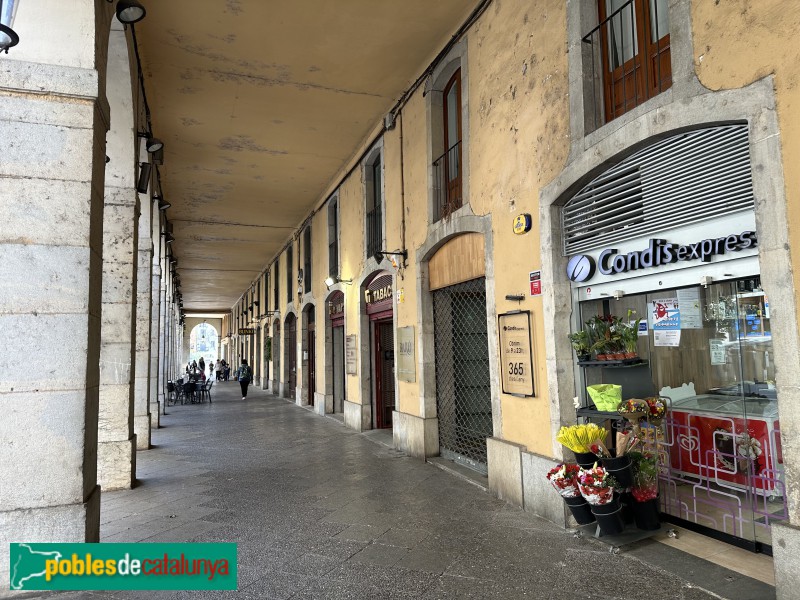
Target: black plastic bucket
580	509
609	517
585	459
645	515
620	469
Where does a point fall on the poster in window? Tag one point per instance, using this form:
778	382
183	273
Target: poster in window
406	362
665	320
516	358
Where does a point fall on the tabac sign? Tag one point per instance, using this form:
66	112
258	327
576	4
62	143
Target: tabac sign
372	296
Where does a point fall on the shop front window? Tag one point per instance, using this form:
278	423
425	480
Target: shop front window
709	351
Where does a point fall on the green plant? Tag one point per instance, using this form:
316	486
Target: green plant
580	341
604	331
645	476
629	332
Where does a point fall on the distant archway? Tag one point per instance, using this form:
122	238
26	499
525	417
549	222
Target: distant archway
204	341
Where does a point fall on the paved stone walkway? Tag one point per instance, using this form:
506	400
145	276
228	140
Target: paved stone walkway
320	511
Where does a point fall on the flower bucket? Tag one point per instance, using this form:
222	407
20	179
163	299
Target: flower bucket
620	469
580	509
585	459
645	515
609	517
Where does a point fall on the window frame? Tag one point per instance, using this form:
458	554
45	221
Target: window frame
307	259
289	272
333	236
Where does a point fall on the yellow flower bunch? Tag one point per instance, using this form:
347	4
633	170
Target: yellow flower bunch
578	438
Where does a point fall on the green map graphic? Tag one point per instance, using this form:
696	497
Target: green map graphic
28	564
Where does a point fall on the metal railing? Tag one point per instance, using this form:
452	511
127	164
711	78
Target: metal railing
374	231
626	51
447	182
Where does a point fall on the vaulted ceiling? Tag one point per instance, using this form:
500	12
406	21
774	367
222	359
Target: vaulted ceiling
260	104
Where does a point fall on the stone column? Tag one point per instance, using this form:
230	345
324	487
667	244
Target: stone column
163	335
53	122
116	459
155	321
141	386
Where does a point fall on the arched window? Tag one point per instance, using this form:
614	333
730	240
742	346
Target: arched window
203	341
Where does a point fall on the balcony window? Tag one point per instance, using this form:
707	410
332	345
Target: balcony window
374	222
630	49
447	168
333	238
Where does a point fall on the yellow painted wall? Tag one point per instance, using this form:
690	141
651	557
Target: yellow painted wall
519	126
763	37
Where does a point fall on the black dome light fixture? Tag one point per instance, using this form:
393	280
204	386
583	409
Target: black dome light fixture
8	37
154	145
130	12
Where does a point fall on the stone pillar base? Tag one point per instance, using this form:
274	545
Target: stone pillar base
357	416
319	404
141	425
786	556
504	462
540	499
116	464
155	415
300	396
74	523
414	435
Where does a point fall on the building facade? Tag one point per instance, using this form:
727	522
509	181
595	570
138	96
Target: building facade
553	163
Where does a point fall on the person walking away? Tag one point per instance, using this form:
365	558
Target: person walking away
244	374
202	365
211	369
219	369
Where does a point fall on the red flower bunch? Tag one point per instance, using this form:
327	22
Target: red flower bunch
565	479
643	494
596	485
657	407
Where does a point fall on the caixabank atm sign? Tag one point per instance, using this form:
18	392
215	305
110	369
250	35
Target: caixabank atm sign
659	252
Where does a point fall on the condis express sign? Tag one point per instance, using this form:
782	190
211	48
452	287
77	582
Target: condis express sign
123	567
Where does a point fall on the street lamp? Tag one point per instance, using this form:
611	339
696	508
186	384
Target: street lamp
8	37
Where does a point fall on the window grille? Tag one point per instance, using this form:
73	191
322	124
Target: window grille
463	388
687	178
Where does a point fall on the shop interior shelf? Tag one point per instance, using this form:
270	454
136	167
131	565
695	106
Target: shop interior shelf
628	362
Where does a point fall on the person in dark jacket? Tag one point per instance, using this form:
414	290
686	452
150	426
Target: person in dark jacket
244	374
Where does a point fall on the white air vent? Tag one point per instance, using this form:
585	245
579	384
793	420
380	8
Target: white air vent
686	178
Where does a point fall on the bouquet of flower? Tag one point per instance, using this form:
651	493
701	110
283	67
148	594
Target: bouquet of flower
657	409
565	479
579	438
633	410
645	477
596	485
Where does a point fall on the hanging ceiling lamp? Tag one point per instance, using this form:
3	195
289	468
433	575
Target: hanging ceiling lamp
130	12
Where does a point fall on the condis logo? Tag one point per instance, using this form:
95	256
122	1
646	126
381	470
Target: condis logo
659	252
123	566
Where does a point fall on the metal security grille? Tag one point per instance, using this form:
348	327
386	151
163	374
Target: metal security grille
386	362
463	389
687	178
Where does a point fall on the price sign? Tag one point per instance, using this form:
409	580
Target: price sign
516	358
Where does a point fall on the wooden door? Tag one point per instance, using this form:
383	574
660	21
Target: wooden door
311	338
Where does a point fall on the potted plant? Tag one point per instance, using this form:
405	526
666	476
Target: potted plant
645	491
597	487
599	336
629	335
580	343
564	478
579	439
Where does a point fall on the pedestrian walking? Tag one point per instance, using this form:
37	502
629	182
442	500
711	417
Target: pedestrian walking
202	364
219	369
244	374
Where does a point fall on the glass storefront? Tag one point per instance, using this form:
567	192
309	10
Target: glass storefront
709	350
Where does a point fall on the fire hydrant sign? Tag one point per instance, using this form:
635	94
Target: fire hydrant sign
516	359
